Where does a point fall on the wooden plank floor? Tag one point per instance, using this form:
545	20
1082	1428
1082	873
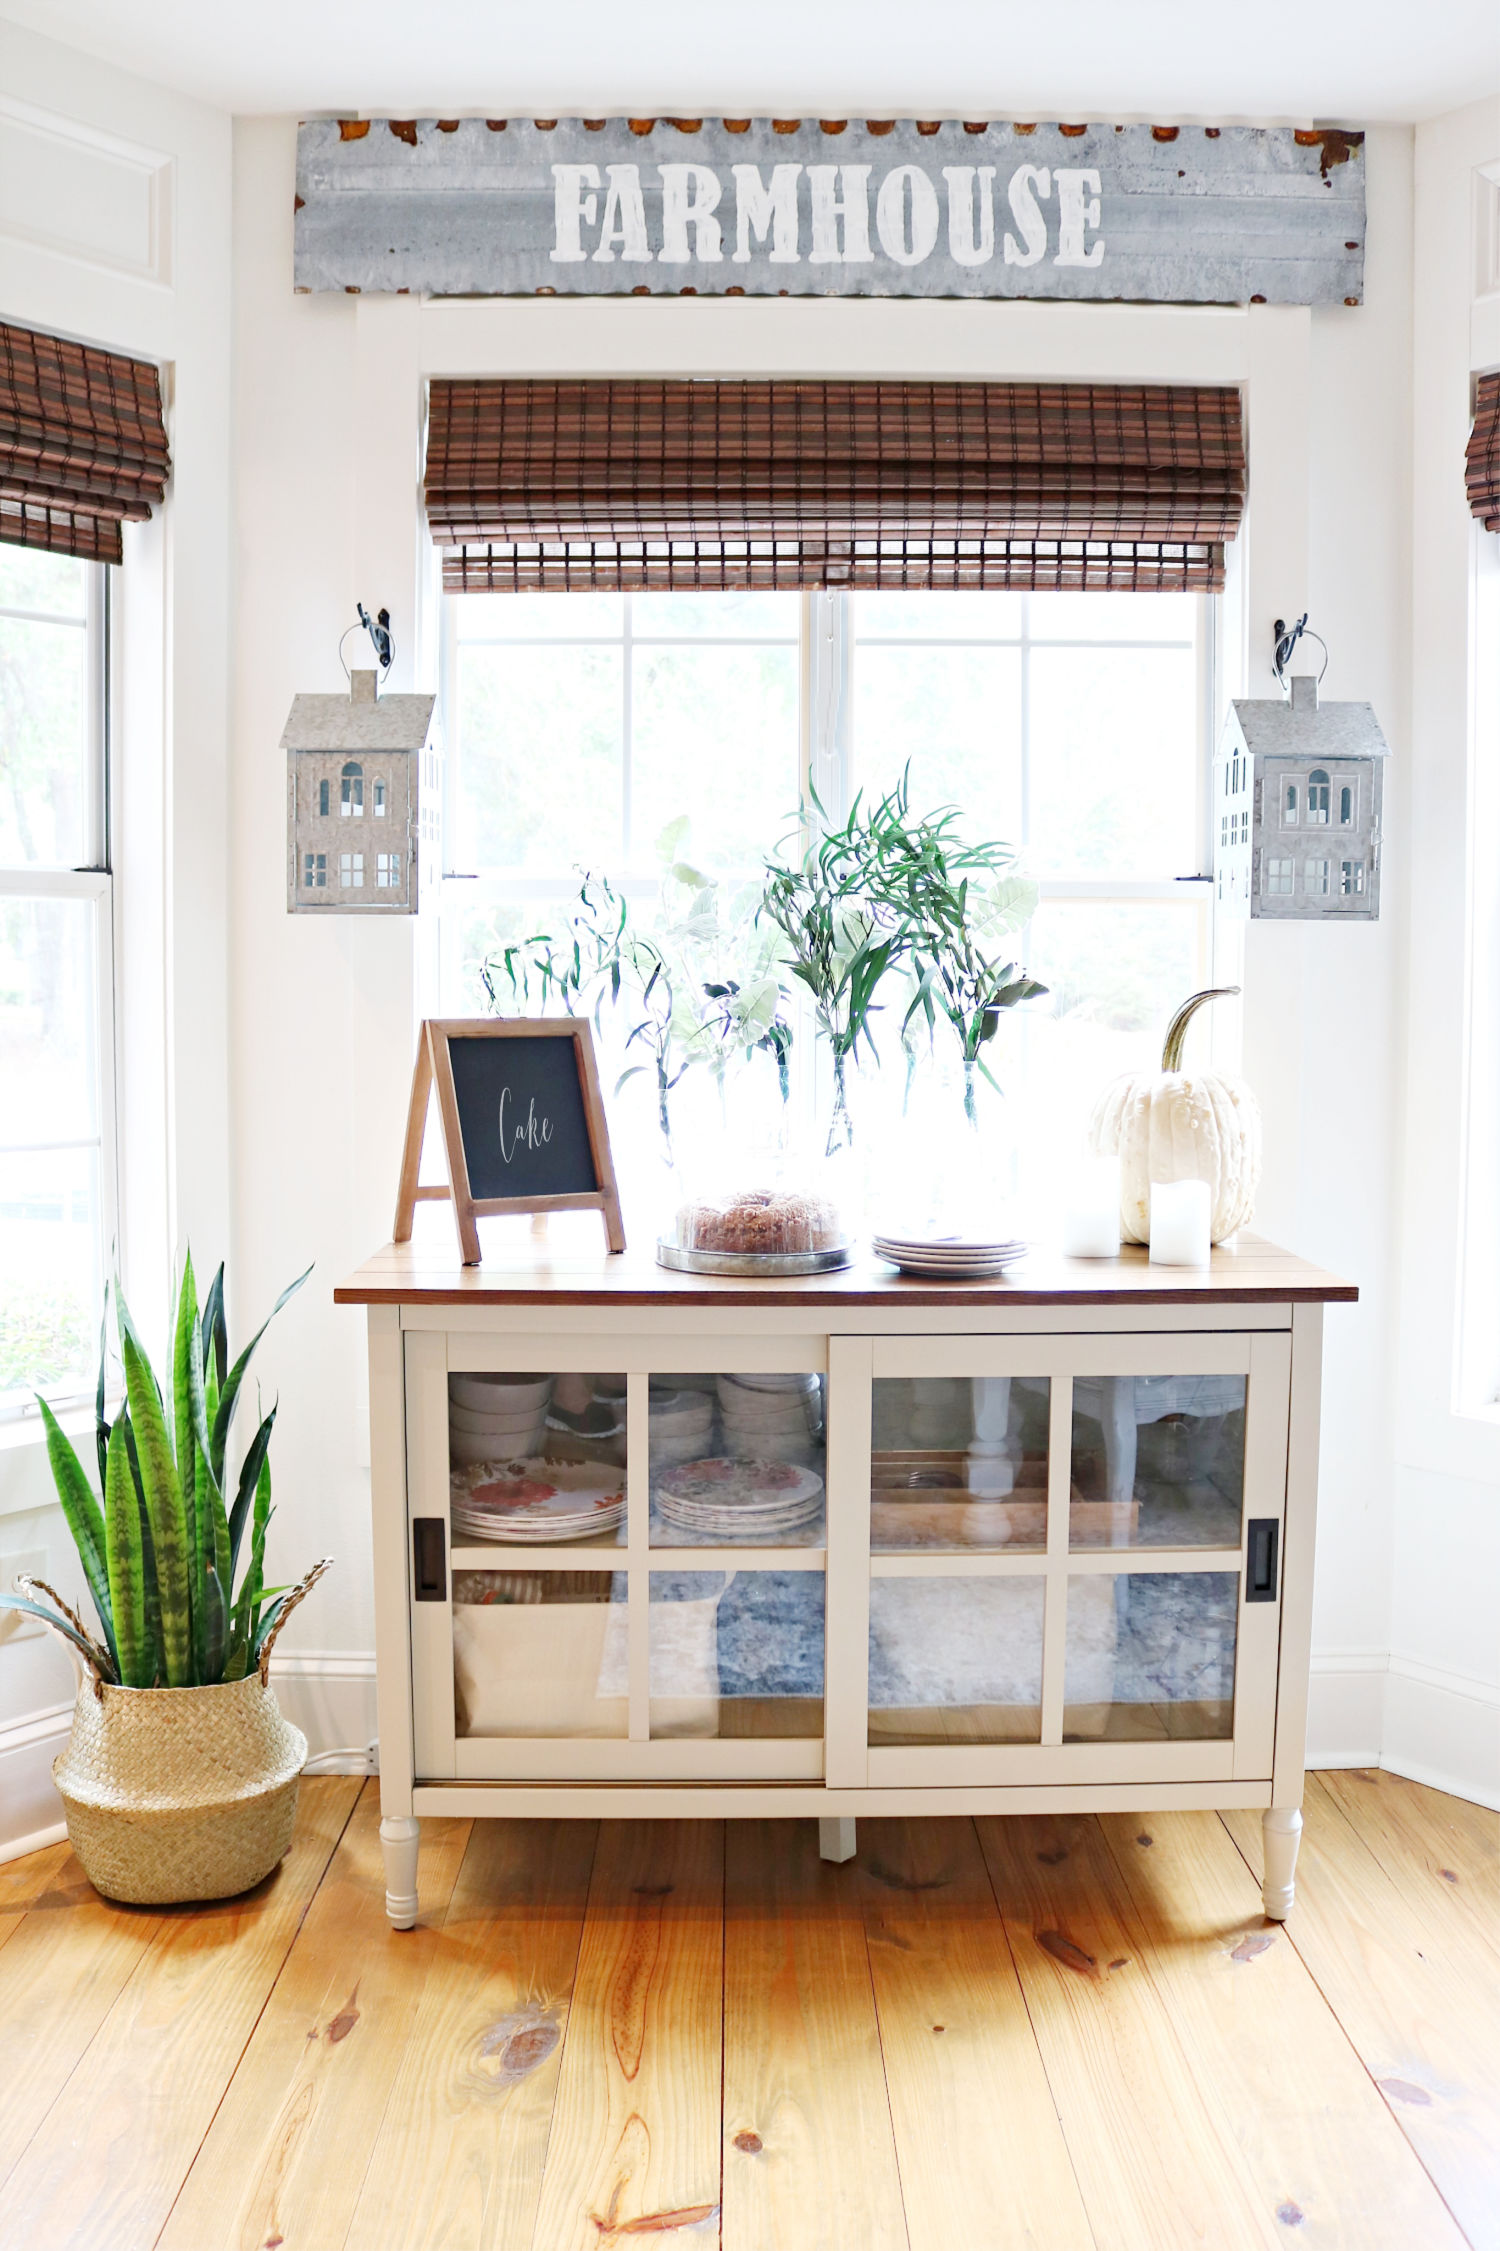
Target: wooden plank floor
1057	2034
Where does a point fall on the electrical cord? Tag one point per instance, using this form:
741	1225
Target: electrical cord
367	1755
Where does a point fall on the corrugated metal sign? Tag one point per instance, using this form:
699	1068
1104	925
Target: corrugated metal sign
1186	214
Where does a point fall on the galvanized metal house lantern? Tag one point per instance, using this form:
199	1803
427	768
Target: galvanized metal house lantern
362	797
1297	809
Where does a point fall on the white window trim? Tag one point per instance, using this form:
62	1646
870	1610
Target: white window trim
1476	1359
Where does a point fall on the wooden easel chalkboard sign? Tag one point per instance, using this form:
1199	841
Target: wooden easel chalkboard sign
522	1121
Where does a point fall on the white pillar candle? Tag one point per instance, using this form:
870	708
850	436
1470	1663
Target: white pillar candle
1180	1211
1091	1228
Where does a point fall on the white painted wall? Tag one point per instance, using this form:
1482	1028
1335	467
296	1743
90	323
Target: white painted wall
318	487
1324	1006
1442	1707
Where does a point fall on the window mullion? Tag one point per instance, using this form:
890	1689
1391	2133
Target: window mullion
1025	837
827	699
97	843
627	733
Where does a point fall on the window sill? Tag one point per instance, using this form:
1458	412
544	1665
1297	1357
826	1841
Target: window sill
25	1473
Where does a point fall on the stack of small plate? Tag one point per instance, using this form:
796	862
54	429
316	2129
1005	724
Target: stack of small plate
772	1418
534	1503
682	1427
949	1257
739	1500
495	1418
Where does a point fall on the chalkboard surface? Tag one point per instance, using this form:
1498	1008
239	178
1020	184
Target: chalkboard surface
521	1112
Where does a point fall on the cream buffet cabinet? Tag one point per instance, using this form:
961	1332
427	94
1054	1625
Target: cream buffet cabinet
864	1544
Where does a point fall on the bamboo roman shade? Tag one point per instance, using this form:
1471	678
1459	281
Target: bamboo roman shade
1482	468
82	445
573	485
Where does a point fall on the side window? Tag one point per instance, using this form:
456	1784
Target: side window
1289	806
352	789
57	1049
1317	795
323	799
380	802
1346	807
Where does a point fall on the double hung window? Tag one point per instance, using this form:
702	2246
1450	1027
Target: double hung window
615	731
57	1161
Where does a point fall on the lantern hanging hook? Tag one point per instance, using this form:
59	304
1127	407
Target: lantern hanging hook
1286	639
381	637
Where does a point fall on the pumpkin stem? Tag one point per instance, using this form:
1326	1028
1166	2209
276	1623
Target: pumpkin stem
1171	1050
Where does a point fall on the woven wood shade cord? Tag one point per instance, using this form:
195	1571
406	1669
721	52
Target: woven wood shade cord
634	486
82	444
1482	463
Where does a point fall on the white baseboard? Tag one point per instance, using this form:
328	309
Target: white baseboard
1346	1707
19	1847
30	1808
1443	1728
330	1695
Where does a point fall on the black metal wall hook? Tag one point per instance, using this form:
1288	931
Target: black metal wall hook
1286	641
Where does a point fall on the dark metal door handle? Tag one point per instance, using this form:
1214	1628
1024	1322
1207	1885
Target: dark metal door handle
1265	1540
429	1555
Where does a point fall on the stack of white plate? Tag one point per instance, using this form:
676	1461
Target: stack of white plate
772	1418
682	1427
739	1500
534	1503
950	1257
495	1418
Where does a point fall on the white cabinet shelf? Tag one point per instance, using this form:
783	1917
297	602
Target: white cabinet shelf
1008	1544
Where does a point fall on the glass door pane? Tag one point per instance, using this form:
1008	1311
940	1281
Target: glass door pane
959	1462
540	1653
736	1653
1158	1461
956	1660
737	1460
1150	1656
537	1459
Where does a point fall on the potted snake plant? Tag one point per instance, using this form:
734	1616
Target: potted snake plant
180	1776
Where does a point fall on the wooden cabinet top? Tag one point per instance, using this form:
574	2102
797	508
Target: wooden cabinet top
537	1270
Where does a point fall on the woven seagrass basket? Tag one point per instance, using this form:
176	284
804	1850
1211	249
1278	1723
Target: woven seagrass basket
175	1794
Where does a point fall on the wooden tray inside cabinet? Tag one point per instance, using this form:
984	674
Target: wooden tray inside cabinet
921	1500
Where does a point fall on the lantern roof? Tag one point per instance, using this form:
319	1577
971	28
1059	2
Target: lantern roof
1275	727
360	720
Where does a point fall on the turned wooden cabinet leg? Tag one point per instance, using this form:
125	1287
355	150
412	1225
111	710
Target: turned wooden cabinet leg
1281	1831
836	1837
400	1837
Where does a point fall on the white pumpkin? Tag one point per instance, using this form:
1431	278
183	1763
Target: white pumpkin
1181	1125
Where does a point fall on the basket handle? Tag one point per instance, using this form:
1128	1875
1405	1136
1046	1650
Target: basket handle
299	1593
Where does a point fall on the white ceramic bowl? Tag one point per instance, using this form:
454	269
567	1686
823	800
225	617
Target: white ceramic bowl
466	1447
500	1394
498	1424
